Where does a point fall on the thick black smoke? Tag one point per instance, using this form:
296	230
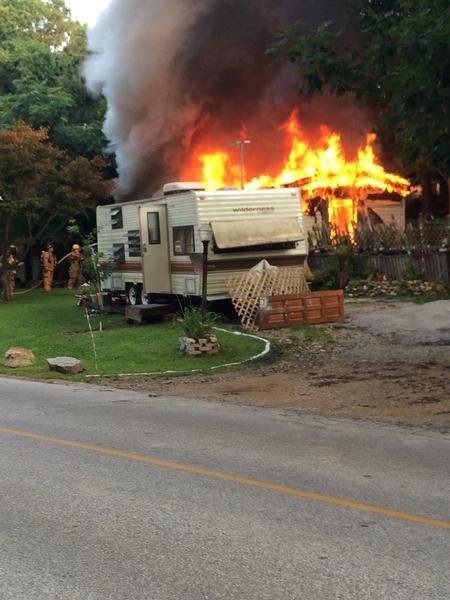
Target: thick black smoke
177	72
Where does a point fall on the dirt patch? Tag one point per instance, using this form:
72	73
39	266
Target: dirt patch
344	370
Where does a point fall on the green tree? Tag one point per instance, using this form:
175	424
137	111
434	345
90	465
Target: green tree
42	187
398	66
51	140
41	55
43	21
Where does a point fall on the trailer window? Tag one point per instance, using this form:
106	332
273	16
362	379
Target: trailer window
116	218
134	243
154	230
183	240
119	253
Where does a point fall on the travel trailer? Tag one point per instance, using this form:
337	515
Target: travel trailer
157	251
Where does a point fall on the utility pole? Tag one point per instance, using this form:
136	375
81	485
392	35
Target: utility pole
242	144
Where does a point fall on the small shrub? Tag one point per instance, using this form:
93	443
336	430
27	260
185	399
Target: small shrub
337	267
87	289
195	324
96	268
327	278
410	273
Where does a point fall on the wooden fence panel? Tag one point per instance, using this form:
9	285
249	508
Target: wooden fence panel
430	266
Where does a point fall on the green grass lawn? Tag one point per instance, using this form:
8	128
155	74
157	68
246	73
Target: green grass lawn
52	325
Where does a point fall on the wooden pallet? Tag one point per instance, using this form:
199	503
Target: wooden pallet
143	313
312	308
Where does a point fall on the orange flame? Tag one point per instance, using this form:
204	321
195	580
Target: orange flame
320	170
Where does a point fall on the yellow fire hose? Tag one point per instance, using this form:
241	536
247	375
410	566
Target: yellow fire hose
40	281
28	291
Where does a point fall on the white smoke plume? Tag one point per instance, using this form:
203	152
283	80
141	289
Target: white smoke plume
133	48
173	69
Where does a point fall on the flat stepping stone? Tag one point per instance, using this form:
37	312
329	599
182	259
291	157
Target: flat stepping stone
66	365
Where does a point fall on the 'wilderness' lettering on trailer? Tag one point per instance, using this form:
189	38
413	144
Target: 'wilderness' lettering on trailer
255	209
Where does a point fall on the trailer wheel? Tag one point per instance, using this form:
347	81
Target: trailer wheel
134	293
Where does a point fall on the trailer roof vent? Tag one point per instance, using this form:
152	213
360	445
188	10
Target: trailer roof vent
179	187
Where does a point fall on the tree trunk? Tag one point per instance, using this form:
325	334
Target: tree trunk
7	230
448	195
427	194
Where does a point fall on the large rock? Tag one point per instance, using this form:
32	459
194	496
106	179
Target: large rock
66	365
19	357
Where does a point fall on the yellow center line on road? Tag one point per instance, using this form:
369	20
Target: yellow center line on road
264	485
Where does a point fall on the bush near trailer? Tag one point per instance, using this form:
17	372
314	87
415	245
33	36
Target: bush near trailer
52	325
199	336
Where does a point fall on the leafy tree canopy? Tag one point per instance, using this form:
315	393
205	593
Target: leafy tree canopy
42	188
43	21
397	64
41	54
51	142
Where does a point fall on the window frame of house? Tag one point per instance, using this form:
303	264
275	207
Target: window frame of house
154	241
188	246
119	254
134	243
116	216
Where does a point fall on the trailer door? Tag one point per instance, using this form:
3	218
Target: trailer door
155	249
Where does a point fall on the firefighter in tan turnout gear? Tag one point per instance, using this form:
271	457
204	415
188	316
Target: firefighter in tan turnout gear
9	266
75	268
48	266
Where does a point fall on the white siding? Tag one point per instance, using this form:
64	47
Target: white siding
249	206
193	208
181	212
107	237
188	284
196	208
389	211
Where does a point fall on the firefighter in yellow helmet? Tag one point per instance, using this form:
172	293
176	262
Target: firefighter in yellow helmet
48	266
75	268
9	264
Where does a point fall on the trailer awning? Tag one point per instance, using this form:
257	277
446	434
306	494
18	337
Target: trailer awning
256	232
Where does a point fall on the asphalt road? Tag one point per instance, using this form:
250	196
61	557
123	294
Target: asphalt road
120	496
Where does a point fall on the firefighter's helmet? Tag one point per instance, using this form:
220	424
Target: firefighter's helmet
76	247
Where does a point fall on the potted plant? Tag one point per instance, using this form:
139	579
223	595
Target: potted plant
88	295
198	338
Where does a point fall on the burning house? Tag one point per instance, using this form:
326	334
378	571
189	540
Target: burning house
184	80
335	189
